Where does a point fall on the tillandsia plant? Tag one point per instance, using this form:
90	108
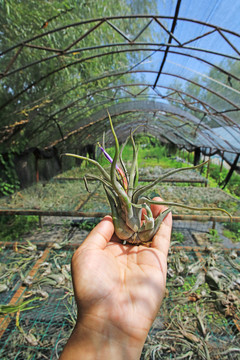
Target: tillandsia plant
126	199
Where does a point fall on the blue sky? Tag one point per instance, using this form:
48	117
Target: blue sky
223	13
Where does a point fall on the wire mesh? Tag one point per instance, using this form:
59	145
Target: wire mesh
193	323
43	330
14	266
50	196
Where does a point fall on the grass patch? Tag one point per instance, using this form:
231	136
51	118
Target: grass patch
233	186
231	235
86	224
232	231
213	236
152	153
178	237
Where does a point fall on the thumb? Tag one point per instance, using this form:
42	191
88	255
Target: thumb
100	235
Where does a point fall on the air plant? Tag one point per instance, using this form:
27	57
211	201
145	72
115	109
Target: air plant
126	199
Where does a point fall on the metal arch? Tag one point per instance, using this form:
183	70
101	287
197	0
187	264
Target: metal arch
99	22
171	35
160	130
149	85
174	130
122	108
112	45
120	17
174	137
170	74
109	88
177	90
154	129
123	131
136	106
87	133
208	138
137	47
65	66
142	84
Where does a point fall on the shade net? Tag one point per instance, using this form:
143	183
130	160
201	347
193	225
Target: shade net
186	57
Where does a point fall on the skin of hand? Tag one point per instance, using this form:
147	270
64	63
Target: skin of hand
118	289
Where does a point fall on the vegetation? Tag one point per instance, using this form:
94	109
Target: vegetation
9	183
46	93
178	237
233	187
213	236
12	227
87	224
232	231
152	153
149	156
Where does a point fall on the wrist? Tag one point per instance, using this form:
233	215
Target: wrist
96	339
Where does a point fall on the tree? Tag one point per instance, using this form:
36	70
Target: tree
40	89
50	77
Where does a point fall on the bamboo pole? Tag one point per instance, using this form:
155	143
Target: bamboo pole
142	179
73	213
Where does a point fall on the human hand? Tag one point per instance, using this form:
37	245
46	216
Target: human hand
118	289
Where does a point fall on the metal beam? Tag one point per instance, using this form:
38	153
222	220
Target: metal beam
169	41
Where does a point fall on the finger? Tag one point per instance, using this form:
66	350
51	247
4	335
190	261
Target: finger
157	209
100	235
161	239
144	212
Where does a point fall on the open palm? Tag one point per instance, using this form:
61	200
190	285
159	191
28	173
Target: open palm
121	285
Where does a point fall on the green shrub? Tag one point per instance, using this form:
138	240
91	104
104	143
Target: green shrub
232	231
213	236
177	236
12	227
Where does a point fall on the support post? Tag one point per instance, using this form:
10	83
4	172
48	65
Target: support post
36	169
220	170
214	225
197	155
208	167
233	167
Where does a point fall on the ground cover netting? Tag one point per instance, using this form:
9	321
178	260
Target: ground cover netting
187	195
192	233
154	172
67	195
43	327
51	196
64	194
144	172
199	317
13	268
